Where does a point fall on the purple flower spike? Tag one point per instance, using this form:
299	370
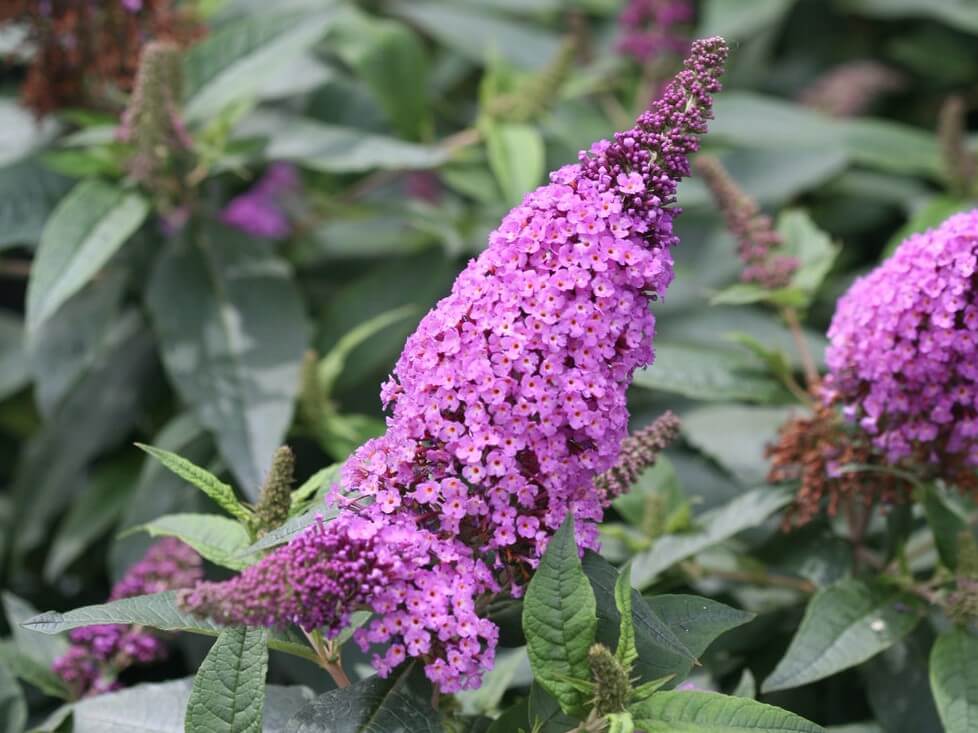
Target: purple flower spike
507	402
903	357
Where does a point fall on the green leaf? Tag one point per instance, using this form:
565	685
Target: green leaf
160	708
516	157
625	652
485	701
314	487
335	149
812	248
738	20
158	611
746	686
560	621
233	63
957	13
660	651
718	432
216	538
229	689
94	512
696	621
400	704
740	513
27	668
946	523
544	711
709	373
232	343
28	194
391	59
844	625
902	667
475	32
709	712
13	361
13	709
211	485
89	225
927	216
98	412
953	680
331	365
892	147
515	720
285	532
41	648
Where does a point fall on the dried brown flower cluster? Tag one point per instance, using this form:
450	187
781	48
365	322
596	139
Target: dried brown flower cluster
87	51
815	451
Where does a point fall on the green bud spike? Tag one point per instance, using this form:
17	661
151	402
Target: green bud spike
612	688
276	495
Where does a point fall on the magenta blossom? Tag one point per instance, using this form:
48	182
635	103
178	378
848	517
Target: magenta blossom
260	211
654	28
903	356
506	403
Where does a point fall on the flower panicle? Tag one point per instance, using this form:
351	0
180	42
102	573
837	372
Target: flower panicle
639	451
506	403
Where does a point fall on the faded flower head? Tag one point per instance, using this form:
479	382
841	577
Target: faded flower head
638	451
757	240
819	451
507	402
86	53
903	353
654	28
850	89
97	654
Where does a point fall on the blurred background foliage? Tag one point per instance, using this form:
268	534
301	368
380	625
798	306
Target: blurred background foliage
135	308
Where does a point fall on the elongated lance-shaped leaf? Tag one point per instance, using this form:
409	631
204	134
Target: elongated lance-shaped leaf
85	230
560	620
216	538
312	486
158	611
709	712
626	652
228	695
844	625
220	492
954	680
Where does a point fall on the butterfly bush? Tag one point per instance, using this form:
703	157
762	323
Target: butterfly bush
903	353
260	211
98	653
506	403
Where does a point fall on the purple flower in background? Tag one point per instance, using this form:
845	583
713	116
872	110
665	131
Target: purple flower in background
507	402
99	653
133	6
260	211
654	28
903	353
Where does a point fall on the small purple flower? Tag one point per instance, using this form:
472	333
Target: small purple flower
653	28
260	211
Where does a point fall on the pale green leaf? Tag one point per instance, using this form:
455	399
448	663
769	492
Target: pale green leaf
559	620
844	625
30	670
211	485
228	693
232	64
516	157
954	680
13	708
232	343
743	512
710	374
709	712
625	652
88	226
216	538
158	611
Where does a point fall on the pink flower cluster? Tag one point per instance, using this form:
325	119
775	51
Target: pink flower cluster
653	28
99	653
903	357
508	400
